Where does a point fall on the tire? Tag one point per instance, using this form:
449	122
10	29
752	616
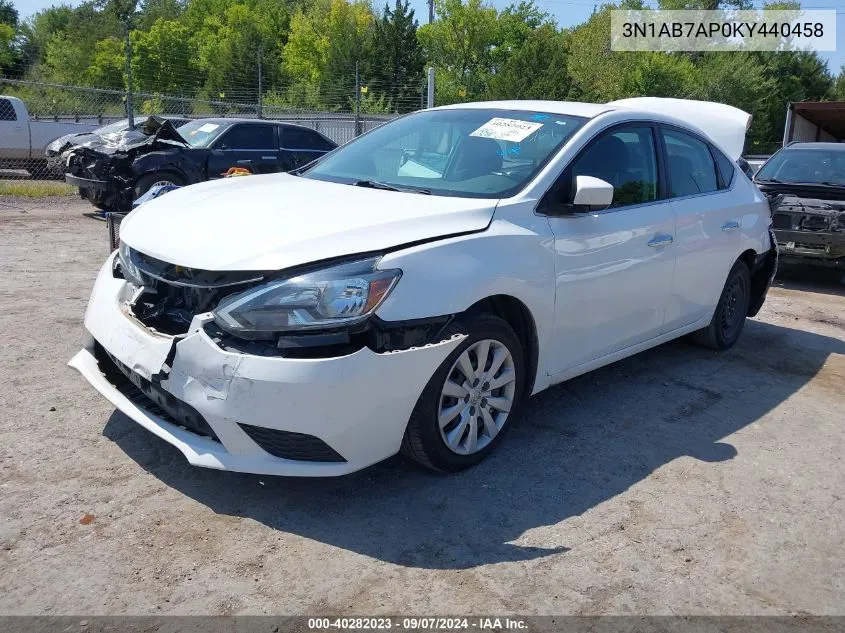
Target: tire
146	181
424	442
731	311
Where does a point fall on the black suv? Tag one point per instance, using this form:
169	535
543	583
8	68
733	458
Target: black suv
805	184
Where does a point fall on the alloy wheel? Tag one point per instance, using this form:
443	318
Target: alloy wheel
477	396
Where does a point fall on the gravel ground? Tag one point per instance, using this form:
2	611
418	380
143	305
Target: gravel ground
680	481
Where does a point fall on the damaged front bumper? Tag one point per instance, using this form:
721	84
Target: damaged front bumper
248	413
811	230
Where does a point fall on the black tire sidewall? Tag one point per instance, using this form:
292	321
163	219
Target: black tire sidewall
739	269
425	415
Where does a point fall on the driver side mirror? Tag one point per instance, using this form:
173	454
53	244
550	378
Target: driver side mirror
591	194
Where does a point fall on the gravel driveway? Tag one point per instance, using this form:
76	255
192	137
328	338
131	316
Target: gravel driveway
680	481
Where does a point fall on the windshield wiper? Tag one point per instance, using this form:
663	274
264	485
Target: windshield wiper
376	184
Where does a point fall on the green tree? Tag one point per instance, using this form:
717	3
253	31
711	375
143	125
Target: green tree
837	91
153	10
599	74
8	13
395	68
8	54
536	69
461	45
324	43
162	60
108	65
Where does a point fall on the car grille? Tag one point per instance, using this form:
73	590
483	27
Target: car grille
782	221
150	397
289	445
801	222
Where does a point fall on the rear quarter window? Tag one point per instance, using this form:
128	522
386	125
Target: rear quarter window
299	138
726	168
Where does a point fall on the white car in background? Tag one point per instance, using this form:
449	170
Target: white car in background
409	290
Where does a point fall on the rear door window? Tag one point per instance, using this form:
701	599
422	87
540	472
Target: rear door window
300	138
689	163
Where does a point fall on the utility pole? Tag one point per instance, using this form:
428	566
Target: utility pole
260	83
129	109
430	11
357	101
430	100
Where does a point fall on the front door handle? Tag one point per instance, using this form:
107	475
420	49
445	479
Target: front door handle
244	162
268	158
660	240
730	225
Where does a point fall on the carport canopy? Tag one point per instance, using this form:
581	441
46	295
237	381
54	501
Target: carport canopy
829	116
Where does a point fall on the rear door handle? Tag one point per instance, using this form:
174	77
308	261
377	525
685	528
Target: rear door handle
660	240
730	225
268	158
244	162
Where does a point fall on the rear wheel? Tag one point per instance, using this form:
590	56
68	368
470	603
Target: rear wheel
471	399
731	311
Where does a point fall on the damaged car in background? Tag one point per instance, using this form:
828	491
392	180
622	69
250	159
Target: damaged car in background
408	291
113	133
114	173
805	183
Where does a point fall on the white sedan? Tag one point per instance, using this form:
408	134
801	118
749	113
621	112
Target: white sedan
409	290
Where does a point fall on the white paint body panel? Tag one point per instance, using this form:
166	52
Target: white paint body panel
595	289
327	398
611	286
277	221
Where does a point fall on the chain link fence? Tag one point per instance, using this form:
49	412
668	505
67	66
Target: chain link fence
48	111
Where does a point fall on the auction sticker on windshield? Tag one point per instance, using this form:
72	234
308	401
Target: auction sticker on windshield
507	129
208	127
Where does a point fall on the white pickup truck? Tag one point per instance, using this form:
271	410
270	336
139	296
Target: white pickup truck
23	140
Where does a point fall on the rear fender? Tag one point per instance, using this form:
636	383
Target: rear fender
763	275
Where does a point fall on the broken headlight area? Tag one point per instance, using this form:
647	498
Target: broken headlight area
315	312
375	334
335	296
169	296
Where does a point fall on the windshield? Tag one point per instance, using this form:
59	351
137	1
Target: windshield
201	133
476	153
811	166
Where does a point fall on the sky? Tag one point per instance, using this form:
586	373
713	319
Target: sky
566	12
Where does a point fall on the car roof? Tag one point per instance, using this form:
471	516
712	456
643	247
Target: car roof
572	108
816	145
230	120
724	125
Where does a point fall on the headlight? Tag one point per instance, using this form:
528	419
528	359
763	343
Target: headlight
335	296
130	270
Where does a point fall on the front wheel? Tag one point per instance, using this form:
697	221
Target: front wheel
731	311
148	181
471	399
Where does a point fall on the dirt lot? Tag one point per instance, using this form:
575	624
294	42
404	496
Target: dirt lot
678	481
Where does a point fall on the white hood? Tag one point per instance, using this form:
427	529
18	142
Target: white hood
277	221
724	124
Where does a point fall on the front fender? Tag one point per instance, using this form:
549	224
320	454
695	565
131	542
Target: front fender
448	276
173	160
